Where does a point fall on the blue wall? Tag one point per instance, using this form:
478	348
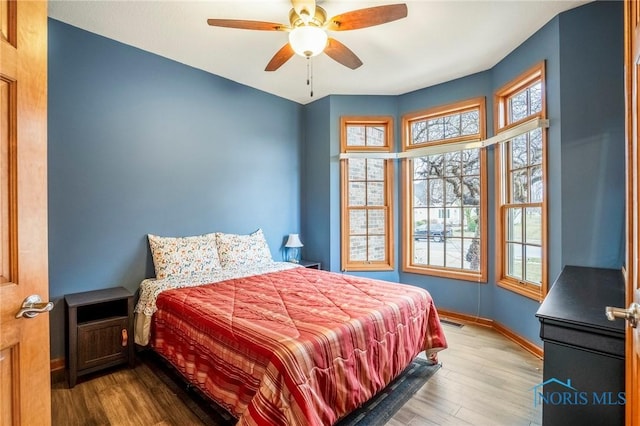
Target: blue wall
140	144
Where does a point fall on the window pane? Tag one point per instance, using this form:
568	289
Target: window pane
514	260
472	254
419	216
470	123
533	270
357	222
435	129
376	221
471	222
436	253
518	147
537	186
356	193
519	186
358	248
355	135
453	197
375	169
375	194
421	168
533	231
435	165
535	94
471	191
453	164
376	248
453	249
518	107
436	193
452	126
471	162
419	132
514	225
357	168
420	252
375	136
535	147
420	193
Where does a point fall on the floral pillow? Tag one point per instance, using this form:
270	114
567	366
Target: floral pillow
180	256
242	250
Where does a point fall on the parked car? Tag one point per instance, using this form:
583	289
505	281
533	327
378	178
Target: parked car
435	232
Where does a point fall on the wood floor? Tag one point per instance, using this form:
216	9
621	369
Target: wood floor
485	379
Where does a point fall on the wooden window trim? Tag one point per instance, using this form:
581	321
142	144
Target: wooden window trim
532	291
346	263
407	190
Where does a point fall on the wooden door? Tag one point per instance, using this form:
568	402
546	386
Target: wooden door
632	76
25	388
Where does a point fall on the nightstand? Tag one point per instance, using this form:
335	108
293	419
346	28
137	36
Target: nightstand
310	264
99	331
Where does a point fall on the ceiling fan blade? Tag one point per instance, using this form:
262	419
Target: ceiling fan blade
247	25
281	56
342	54
368	17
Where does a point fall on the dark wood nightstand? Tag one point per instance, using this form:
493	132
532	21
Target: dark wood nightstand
310	264
99	331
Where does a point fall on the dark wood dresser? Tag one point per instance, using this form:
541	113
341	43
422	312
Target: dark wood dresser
583	379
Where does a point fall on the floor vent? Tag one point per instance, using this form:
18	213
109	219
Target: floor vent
450	322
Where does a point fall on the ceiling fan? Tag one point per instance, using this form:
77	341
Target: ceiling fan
308	26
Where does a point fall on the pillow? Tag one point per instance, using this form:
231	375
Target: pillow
242	250
182	256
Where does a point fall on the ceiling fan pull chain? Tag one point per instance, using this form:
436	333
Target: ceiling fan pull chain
311	75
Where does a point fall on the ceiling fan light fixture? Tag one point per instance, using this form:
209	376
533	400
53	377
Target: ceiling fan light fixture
308	40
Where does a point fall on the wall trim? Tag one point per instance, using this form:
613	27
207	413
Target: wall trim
500	328
57	364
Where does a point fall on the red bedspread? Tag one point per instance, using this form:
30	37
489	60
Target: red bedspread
295	347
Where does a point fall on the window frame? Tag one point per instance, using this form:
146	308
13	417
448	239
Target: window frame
374	121
479	104
502	173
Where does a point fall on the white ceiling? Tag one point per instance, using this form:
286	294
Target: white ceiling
438	41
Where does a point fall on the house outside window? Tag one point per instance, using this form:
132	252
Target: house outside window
444	192
366	194
521	182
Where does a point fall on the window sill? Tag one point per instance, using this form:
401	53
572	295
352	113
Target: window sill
478	277
526	290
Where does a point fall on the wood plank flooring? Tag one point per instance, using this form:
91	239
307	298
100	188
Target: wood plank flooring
485	380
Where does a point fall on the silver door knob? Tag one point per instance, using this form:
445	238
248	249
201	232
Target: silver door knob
632	314
32	306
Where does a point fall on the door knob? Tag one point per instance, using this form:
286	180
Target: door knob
32	306
632	314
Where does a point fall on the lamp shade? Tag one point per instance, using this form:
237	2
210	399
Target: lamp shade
308	40
293	241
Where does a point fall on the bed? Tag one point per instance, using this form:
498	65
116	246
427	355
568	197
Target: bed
279	344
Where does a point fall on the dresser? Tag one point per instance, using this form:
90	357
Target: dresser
583	378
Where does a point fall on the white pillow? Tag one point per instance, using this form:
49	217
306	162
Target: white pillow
179	256
242	250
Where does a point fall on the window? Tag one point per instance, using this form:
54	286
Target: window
521	178
366	203
444	193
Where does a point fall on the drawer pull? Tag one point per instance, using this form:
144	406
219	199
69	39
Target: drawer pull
125	337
